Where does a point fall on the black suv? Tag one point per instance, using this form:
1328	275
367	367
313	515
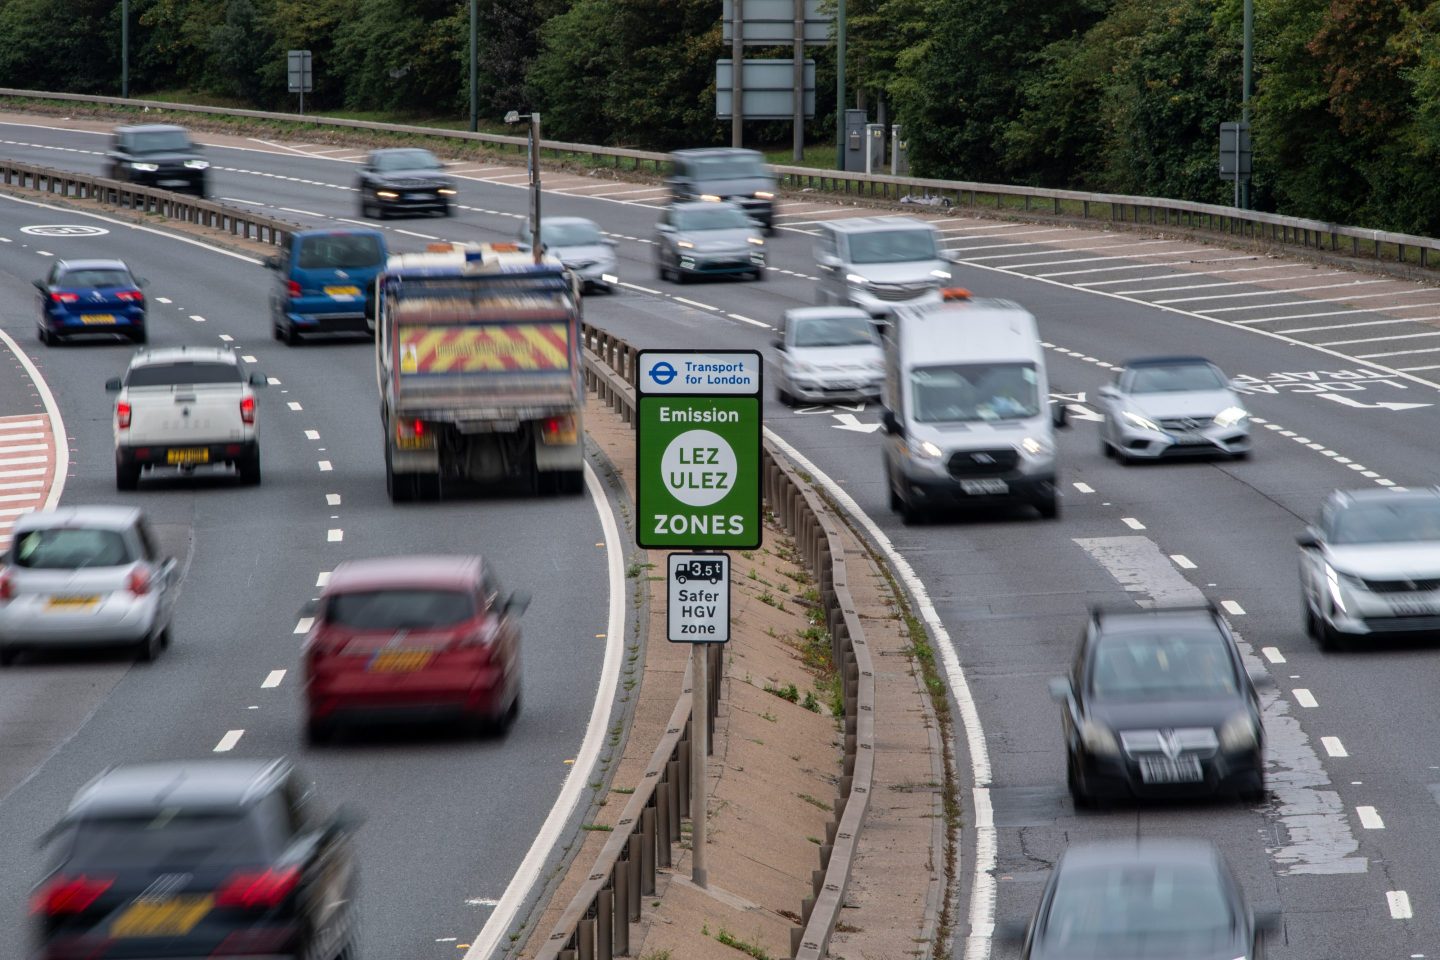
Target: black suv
157	155
725	173
198	859
1159	704
404	178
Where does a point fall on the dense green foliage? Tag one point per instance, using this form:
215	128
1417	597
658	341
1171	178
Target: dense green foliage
1107	95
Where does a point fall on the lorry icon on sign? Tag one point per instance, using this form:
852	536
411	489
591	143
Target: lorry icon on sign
709	570
662	373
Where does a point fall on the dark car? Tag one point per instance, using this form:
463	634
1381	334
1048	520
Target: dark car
198	859
413	638
86	297
725	173
404	179
1159	704
157	155
1146	900
325	282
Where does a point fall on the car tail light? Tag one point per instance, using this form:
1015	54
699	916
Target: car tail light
62	894
133	296
7	587
122	414
292	289
64	297
558	430
247	409
263	888
138	582
482	635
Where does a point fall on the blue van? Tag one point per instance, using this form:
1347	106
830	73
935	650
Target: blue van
325	282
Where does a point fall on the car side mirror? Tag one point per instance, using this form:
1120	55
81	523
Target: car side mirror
113	385
891	423
778	345
664	228
609	242
518	603
1238	385
1309	540
258	380
1060	415
950	256
1011	932
828	261
272	262
1061	690
1260	678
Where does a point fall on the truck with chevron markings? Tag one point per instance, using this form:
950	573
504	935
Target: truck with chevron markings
478	362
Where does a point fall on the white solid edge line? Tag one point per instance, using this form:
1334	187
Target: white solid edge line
982	888
497	927
52	410
136	226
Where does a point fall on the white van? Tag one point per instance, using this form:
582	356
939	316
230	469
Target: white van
967	414
879	263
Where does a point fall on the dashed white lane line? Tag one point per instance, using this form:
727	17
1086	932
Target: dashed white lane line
1233	608
247	358
273	680
1304	697
197	318
1334	747
696	304
322	578
304	624
1132	523
324	466
1369	818
294	405
306	213
335	535
225	337
411	233
273	381
332	499
753	323
1084	487
1399	902
312	434
636	286
162	300
227	742
1273	654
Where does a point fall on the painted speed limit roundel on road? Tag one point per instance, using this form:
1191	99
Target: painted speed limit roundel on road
64	230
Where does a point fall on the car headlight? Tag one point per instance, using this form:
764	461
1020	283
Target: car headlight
1333	579
764	195
709	198
445	192
147	167
1239	733
1230	416
1034	447
940	274
755	240
1144	423
924	450
387	194
855	279
684	244
1099	739
198	164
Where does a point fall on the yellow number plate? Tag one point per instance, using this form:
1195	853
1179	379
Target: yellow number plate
342	291
171	917
72	603
97	318
189	455
400	661
422	442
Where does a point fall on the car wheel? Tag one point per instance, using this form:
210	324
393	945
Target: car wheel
1312	622
400	489
1256	793
1330	639
681	277
661	272
46	337
127	476
138	335
786	398
760	275
276	331
8	656
148	650
910	516
1078	794
250	470
165	637
1241	455
447	211
1106	451
896	504
289	334
318	733
1049	507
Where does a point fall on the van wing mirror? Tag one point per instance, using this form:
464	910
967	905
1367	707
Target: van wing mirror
1060	414
1310	539
518	603
891	423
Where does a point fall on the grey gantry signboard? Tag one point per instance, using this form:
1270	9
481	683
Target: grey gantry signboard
771	23
769	92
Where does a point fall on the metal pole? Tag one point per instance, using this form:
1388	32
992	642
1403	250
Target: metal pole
797	150
125	49
699	737
535	185
840	85
737	63
474	67
1249	19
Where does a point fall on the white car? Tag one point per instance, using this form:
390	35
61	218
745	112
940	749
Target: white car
1160	408
829	353
581	246
185	407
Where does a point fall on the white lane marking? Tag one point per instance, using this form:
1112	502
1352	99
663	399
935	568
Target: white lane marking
247	358
197	318
1271	293
322	578
636	286
273	680
1395	353
19	497
756	323
1385	483
1304	697
16	512
1396	336
1083	487
252	203
1222	283
693	303
273	381
1273	654
1127	266
1370	818
1399	902
1182	561
16	461
227	742
304	153
22	485
1052	251
227	338
294	405
308	213
312	434
22	473
1232	608
304	624
334	535
163	300
1334	747
25	447
324	466
497	927
21	425
1348	326
1132	523
333	499
411	233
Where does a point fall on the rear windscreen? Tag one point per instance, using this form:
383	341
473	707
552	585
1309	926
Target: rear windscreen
182	373
340	252
70	548
168	841
399	609
95	278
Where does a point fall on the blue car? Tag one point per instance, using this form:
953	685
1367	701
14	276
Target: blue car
90	297
325	283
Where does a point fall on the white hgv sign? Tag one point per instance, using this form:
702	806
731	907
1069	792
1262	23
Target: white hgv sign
697	609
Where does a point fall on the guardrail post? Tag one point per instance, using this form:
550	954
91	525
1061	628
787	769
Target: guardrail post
662	824
647	852
604	917
672	797
620	880
635	858
585	933
682	769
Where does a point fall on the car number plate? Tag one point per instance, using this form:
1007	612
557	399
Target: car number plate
1189	439
984	487
168	917
343	293
97	318
400	661
174	183
1166	770
188	455
418	196
1412	608
73	603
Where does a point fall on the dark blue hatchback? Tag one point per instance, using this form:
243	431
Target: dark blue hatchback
91	297
325	282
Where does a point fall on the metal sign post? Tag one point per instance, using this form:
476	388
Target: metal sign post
1235	155
299	65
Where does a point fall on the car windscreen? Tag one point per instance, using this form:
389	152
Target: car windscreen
1175	378
1169	664
405	160
161	141
715	217
70	548
168	840
399	609
1397	521
182	373
728	168
835	332
969	392
1125	911
94	278
570	234
340	252
893	246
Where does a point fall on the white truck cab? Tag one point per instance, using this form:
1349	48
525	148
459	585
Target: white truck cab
185	407
966	408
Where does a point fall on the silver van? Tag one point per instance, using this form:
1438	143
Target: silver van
879	263
966	408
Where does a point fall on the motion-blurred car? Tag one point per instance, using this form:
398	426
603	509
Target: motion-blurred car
1370	566
413	638
1172	407
85	576
157	155
206	858
708	239
827	354
1159	704
86	297
1146	900
713	174
401	179
579	244
880	263
325	283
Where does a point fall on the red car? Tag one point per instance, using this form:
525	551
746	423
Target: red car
413	638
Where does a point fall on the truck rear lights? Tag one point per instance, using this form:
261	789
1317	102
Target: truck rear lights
123	412
556	431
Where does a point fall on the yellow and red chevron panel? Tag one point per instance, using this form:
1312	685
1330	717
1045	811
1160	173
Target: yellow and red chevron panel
497	348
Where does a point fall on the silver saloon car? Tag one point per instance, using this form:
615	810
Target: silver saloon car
827	354
699	239
85	576
579	244
1165	407
1370	566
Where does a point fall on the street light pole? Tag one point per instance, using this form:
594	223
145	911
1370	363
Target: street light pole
1248	57
840	85
535	185
474	67
125	49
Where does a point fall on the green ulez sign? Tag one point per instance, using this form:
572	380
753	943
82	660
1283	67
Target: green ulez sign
698	453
